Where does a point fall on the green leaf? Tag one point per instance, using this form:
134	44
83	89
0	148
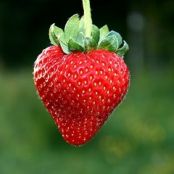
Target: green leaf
117	37
71	27
92	42
81	39
103	32
64	44
123	50
74	38
74	46
108	43
64	47
95	36
88	44
111	42
81	25
54	34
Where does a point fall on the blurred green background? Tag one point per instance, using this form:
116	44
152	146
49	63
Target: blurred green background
139	136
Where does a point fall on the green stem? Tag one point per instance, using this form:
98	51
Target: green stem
87	18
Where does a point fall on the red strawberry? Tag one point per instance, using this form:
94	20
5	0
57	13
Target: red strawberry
83	79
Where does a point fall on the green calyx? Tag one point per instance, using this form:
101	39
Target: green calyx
80	34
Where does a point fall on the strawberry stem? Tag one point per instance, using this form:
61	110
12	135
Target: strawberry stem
80	34
87	18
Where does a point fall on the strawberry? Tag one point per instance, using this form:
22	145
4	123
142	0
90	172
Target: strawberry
82	78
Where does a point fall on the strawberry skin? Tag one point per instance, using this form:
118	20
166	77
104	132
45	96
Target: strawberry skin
80	89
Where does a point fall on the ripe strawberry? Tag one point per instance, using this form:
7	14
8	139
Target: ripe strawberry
82	78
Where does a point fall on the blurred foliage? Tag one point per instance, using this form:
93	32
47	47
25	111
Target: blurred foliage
137	139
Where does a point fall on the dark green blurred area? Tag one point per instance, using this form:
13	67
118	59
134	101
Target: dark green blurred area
139	136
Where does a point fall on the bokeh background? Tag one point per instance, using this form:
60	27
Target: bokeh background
139	136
